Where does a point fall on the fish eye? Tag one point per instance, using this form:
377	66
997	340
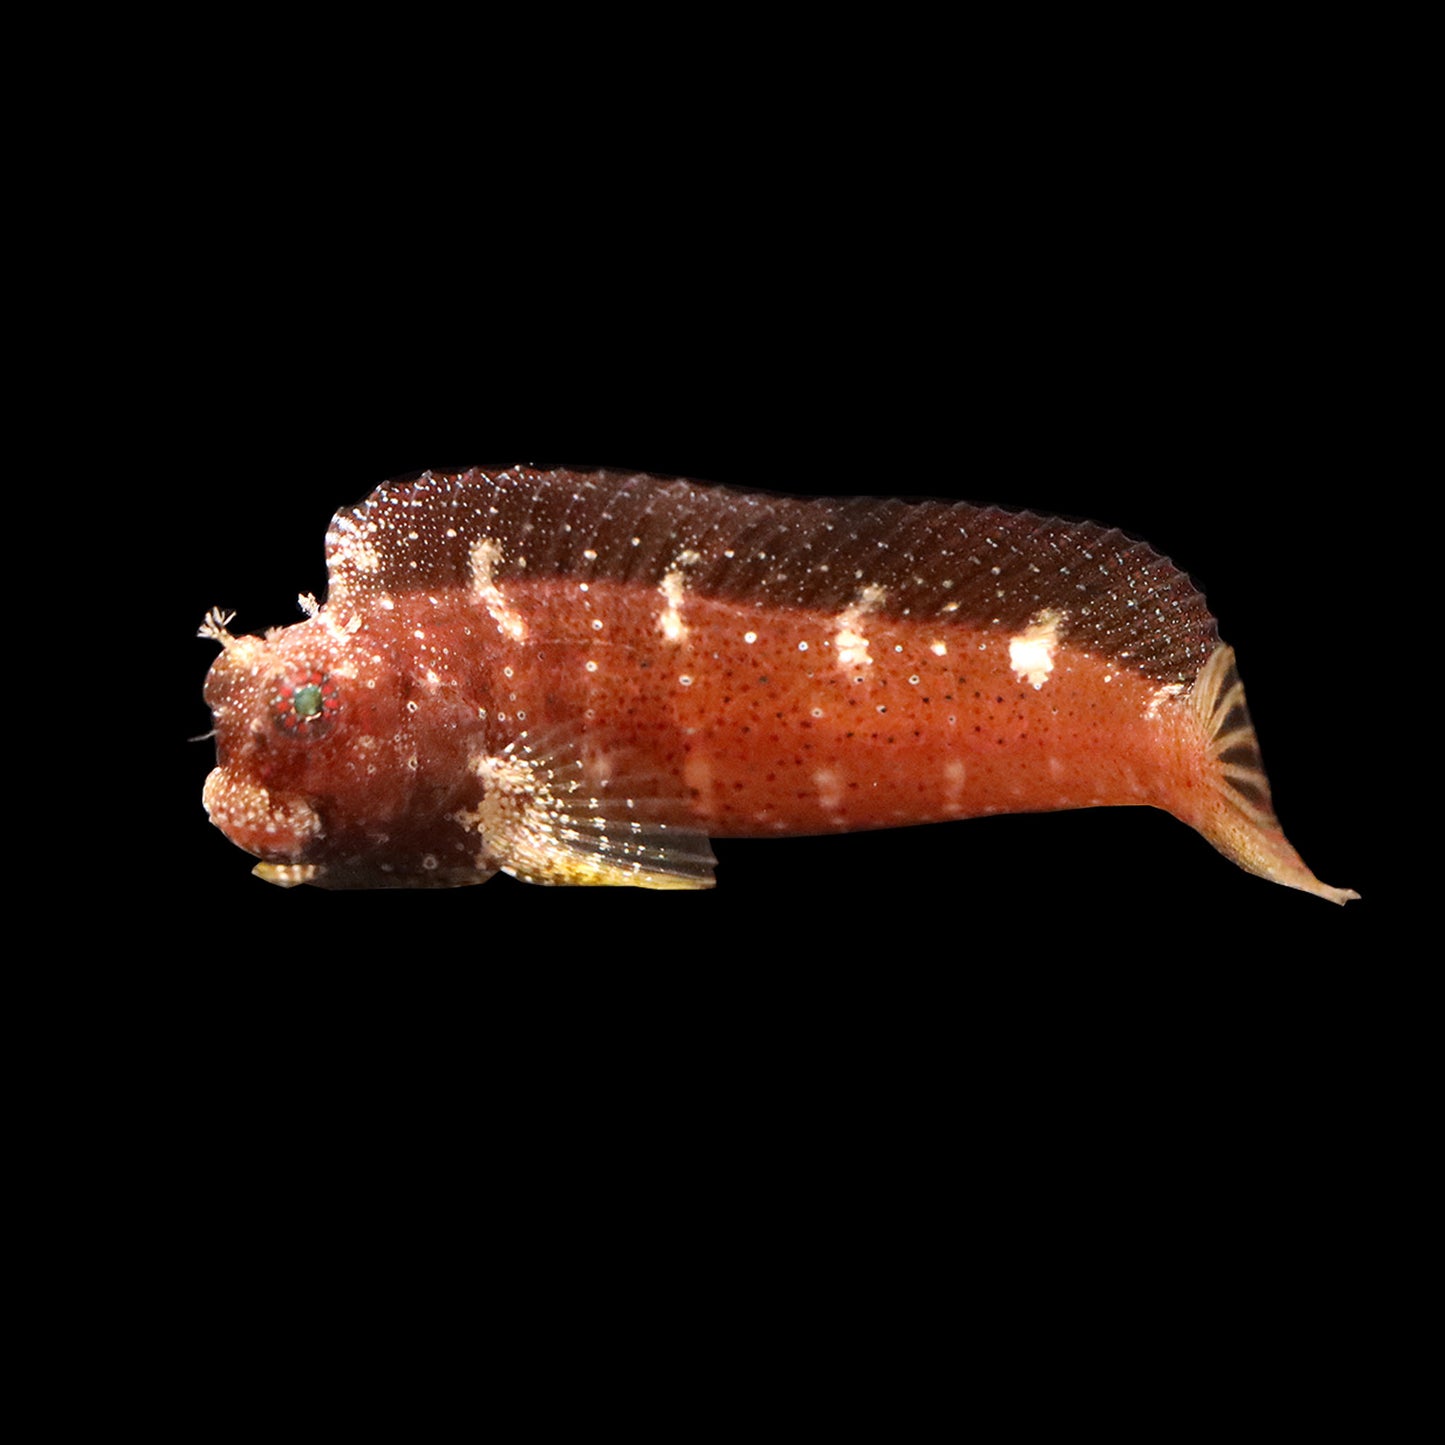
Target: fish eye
305	701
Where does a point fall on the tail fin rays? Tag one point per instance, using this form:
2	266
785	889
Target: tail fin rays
1242	824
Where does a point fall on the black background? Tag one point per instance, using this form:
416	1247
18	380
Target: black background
1079	1056
1154	337
1088	1017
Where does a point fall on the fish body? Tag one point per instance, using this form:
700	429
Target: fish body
581	677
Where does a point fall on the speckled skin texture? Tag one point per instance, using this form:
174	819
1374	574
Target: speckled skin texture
578	679
773	735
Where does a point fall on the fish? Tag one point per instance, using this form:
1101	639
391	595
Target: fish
581	677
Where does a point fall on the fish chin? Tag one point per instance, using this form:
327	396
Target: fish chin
367	873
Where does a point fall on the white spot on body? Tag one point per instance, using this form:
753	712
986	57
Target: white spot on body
849	642
829	788
669	621
1160	696
486	555
1031	652
362	556
955	774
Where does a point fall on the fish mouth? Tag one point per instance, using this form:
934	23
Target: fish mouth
278	828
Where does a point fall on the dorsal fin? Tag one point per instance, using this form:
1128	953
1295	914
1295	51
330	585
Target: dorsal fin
930	560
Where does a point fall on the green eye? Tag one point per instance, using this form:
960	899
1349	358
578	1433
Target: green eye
305	701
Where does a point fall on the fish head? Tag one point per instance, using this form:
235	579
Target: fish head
317	771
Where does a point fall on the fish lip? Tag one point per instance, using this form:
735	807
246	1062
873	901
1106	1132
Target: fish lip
278	828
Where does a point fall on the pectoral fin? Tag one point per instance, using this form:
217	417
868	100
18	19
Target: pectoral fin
550	814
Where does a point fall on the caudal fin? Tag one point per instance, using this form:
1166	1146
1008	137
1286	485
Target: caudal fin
1239	819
